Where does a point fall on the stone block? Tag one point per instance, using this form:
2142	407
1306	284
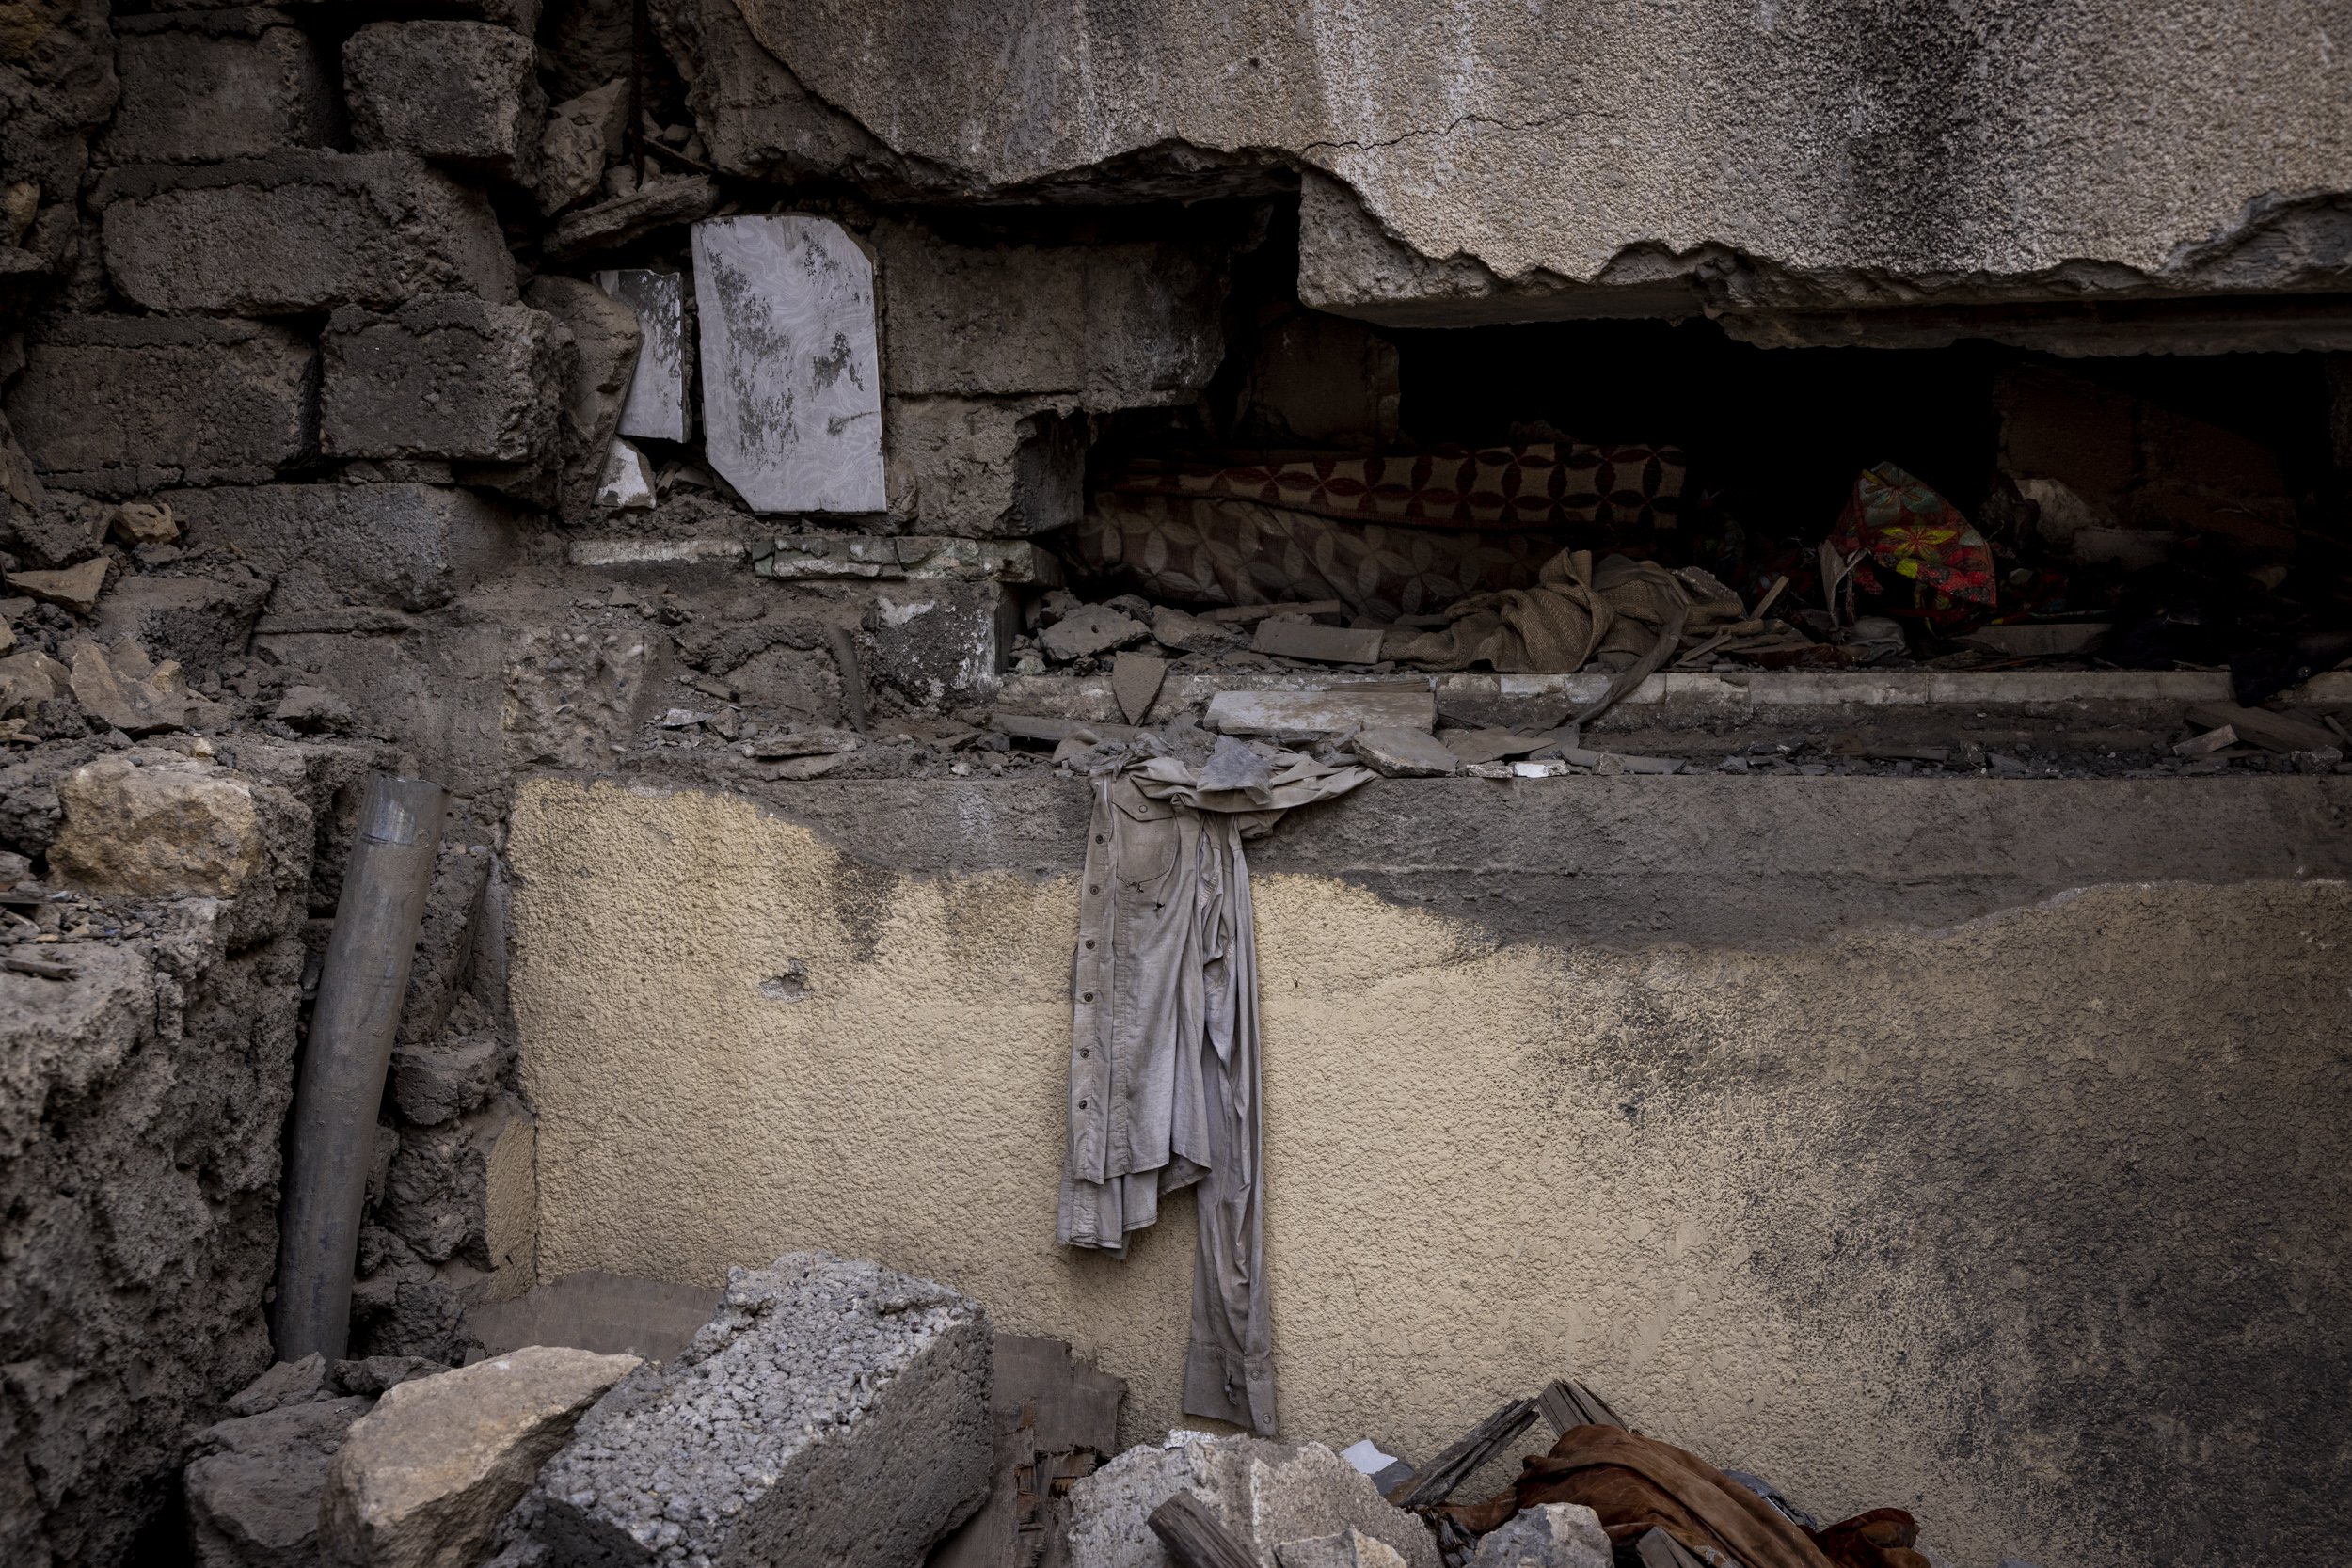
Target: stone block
1550	1535
1124	325
156	823
832	1412
123	688
940	643
433	1083
198	621
582	136
298	232
461	1189
606	345
115	406
253	1491
791	376
1265	1493
236	82
656	407
456	93
444	377
461	873
986	469
75	588
285	1382
422	1479
408	547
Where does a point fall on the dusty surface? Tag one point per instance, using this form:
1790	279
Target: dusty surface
1765	151
2028	1222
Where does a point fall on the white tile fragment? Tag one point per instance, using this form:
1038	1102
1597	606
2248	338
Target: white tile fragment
627	485
656	406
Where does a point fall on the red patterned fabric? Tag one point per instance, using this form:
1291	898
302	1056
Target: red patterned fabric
1542	486
1905	528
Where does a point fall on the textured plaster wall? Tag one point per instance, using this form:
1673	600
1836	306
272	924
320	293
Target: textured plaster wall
2034	1225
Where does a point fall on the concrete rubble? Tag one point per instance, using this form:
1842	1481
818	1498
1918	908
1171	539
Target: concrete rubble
1265	1493
832	1412
1551	1535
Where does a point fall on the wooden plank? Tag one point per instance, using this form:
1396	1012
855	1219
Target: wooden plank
1655	1548
1194	1538
2280	732
1567	1403
1435	1481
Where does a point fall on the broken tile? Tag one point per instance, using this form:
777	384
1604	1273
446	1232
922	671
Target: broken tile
656	406
1136	683
1291	639
627	485
1403	754
1331	712
791	378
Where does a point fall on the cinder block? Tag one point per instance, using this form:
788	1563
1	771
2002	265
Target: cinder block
403	546
444	377
832	1412
199	86
298	232
1122	324
983	470
114	405
457	92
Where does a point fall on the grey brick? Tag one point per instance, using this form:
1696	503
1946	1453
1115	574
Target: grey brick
203	86
115	406
405	546
459	92
983	468
298	232
444	377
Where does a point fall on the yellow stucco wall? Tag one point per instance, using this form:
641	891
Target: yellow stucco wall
1804	1211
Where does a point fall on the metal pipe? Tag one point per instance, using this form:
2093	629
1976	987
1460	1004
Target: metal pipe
340	1088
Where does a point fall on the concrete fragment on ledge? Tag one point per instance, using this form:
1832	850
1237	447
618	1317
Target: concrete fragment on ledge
1330	712
817	556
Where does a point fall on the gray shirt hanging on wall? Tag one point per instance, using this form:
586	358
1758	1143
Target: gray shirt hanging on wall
1164	1056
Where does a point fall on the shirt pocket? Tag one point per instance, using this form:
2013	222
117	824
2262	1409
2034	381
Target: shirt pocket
1148	834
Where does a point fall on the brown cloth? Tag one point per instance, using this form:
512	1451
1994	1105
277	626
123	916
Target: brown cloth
1637	1484
1621	612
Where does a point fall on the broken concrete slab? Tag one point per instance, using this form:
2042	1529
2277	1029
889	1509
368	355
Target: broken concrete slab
447	376
422	1478
1550	1535
407	546
1190	633
1088	631
1404	754
1349	1548
656	205
115	406
816	557
198	621
986	469
456	93
1283	637
119	684
607	343
254	1487
832	1412
1265	1493
75	588
298	232
1333	711
432	1083
791	375
199	86
582	134
656	402
1245	615
605	1312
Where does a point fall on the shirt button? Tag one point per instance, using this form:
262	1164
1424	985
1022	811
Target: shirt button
1082	1106
1094	887
1089	943
1085	996
1085	1051
1102	838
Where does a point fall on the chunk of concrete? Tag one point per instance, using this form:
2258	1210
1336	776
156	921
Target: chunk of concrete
791	376
75	588
582	134
407	546
986	469
1119	324
199	86
832	1412
1349	1548
120	685
456	93
1087	630
432	1083
1288	638
198	621
1314	713
940	643
1189	634
608	1312
298	232
445	377
115	406
1396	752
656	406
153	822
1550	1535
656	205
461	877
464	1190
606	343
285	1382
1265	1493
422	1479
253	1491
